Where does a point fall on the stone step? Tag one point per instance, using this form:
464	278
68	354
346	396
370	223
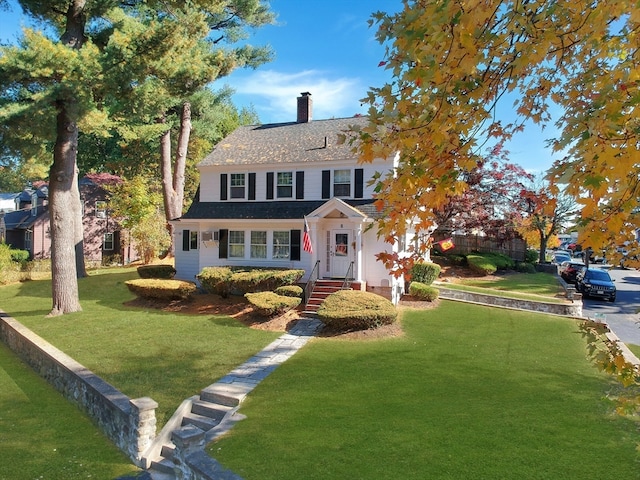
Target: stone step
215	411
200	421
227	395
163	466
167	451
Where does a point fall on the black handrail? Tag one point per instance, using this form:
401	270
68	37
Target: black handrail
308	288
348	278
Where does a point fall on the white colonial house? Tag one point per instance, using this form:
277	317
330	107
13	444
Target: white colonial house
260	183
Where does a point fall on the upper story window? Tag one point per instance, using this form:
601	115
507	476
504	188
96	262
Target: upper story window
237	185
341	183
281	244
236	243
101	209
285	184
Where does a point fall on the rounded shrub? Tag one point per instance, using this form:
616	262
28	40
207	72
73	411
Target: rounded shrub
424	292
349	310
531	256
425	272
481	265
268	304
162	289
215	280
289	291
525	267
156	271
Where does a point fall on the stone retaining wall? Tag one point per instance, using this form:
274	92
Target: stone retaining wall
571	309
129	424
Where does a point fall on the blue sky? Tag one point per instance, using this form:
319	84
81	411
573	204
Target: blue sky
326	48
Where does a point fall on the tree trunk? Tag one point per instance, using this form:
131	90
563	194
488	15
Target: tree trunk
64	195
63	209
173	183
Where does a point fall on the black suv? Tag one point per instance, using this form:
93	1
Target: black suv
594	282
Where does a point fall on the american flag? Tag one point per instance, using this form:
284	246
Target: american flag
306	239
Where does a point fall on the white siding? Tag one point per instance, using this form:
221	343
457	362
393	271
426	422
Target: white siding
187	262
210	178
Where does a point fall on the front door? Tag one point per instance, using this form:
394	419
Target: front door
340	252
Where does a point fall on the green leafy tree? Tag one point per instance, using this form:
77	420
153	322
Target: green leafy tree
129	65
135	203
453	61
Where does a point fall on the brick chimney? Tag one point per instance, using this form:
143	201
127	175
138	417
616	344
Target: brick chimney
305	105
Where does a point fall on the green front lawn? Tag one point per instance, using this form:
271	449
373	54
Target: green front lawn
467	392
534	283
142	352
42	435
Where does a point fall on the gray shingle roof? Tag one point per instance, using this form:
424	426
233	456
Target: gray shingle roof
267	210
284	143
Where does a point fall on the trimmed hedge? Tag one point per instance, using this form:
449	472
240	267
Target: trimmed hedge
290	291
224	280
161	288
268	304
425	272
422	291
156	271
349	310
489	263
215	280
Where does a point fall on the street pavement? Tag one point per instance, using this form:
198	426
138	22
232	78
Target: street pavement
622	316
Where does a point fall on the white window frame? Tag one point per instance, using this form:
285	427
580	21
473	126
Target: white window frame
341	179
279	248
34	204
284	185
108	238
236	244
237	185
193	239
101	209
258	244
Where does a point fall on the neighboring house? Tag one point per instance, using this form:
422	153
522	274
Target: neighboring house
27	228
8	202
261	182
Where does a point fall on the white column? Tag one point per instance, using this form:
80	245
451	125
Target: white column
358	272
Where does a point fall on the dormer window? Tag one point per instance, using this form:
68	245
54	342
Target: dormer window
34	204
237	185
101	209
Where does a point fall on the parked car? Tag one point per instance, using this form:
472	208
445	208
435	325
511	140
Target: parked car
595	282
569	270
559	257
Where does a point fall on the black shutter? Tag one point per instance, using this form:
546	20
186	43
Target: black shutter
223	186
252	186
269	185
300	185
359	183
186	237
295	244
222	243
326	184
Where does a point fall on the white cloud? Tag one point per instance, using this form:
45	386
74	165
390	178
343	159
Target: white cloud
274	94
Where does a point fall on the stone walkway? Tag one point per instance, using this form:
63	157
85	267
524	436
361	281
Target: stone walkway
241	380
236	385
